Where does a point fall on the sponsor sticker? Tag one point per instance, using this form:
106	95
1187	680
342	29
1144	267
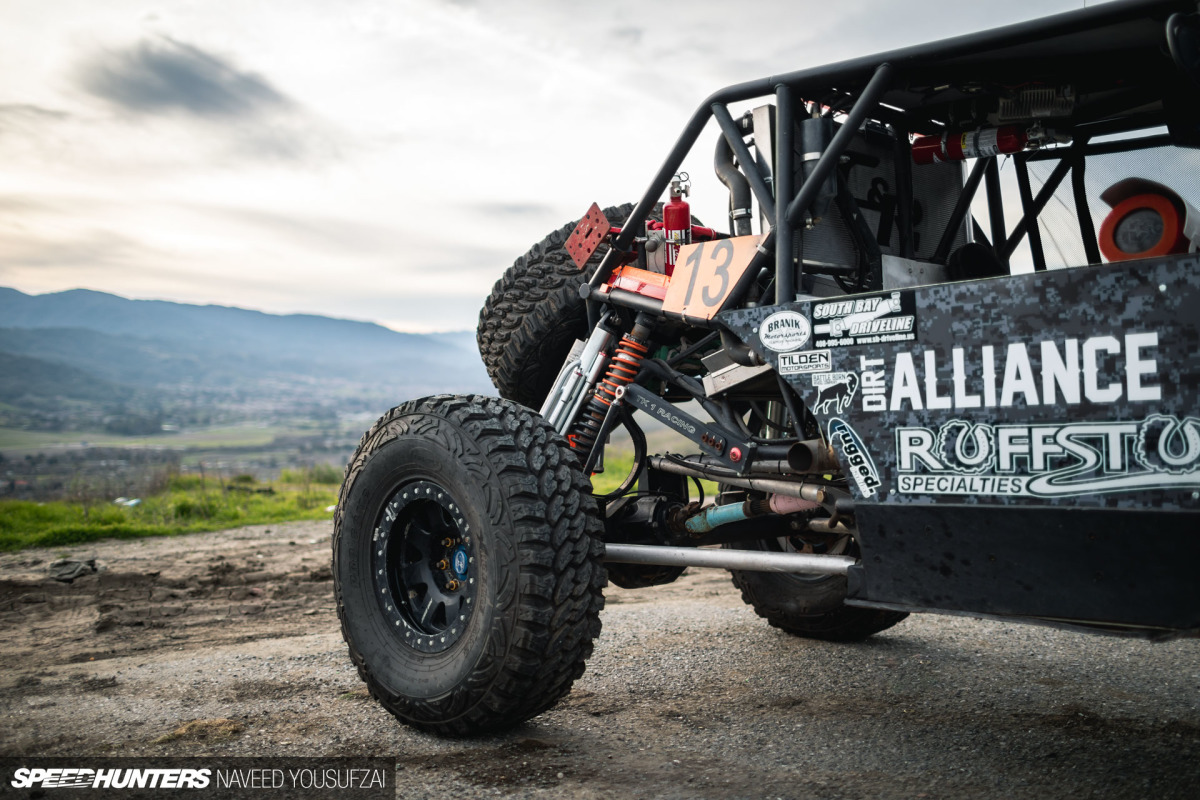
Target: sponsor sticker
1098	369
805	362
855	459
1066	459
835	390
865	320
784	331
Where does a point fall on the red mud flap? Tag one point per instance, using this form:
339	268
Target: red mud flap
587	236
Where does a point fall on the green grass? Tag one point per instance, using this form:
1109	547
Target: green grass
320	473
190	505
617	463
194	503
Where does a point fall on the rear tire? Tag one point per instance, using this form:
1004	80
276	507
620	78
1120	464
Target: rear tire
534	314
467	564
811	607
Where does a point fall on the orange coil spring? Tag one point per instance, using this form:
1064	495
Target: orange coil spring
623	368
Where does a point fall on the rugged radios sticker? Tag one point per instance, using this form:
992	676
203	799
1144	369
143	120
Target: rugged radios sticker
859	464
784	331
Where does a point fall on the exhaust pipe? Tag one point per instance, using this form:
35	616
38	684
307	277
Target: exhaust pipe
815	492
809	456
747	560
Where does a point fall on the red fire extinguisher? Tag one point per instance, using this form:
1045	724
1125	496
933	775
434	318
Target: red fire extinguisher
972	144
677	219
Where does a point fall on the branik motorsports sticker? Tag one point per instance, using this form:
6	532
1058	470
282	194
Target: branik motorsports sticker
1161	451
784	331
865	320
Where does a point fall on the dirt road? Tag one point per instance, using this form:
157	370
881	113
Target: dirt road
227	644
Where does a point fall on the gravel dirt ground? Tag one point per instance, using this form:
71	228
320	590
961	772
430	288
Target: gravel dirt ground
227	644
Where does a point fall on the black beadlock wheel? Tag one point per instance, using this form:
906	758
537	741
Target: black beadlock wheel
467	564
534	314
422	560
809	606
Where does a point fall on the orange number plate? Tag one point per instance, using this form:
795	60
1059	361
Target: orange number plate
705	274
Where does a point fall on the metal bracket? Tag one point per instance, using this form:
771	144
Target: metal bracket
588	235
731	377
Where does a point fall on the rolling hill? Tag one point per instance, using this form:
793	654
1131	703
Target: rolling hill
109	351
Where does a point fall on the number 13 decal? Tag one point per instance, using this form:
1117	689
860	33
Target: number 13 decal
705	274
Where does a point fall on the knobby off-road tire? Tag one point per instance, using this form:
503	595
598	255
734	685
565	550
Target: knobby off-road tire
808	606
534	314
467	564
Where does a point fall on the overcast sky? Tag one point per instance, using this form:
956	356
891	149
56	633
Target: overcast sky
371	160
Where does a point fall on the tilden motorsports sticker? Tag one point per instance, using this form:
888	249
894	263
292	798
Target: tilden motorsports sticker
804	362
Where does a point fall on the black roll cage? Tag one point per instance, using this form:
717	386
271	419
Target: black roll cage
1120	46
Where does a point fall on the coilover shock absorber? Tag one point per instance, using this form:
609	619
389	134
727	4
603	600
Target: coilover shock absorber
624	367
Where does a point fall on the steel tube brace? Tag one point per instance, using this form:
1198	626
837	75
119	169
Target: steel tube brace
747	560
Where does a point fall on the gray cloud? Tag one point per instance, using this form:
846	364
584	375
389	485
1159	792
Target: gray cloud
90	251
165	79
324	234
16	113
23	123
513	209
628	34
14	204
165	75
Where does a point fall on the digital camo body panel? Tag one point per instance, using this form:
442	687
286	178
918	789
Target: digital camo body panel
1075	387
1020	445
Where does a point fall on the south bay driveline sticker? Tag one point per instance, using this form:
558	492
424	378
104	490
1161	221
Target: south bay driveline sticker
785	331
865	320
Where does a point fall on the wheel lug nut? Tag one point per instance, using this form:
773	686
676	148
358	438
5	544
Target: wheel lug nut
443	565
448	542
452	585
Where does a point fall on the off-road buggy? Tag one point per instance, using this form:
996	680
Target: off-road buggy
902	409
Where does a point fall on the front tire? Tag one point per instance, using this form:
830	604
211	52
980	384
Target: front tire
467	564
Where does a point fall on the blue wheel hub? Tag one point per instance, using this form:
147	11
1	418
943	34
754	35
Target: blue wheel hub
459	562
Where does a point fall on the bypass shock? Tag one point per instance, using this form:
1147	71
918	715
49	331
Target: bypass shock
622	369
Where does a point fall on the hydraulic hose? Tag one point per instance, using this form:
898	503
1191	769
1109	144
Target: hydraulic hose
740	211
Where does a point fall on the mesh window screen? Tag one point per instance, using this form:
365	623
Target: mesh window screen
1174	167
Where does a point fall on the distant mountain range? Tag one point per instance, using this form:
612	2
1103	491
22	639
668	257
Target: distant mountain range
90	346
